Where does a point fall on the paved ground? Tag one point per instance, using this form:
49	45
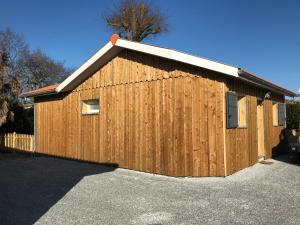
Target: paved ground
54	191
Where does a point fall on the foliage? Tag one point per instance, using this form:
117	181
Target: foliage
293	116
23	120
136	20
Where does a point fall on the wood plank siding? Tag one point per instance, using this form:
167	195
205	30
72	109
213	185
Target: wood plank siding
157	116
242	143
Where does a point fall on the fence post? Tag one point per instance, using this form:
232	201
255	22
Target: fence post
5	140
14	140
31	145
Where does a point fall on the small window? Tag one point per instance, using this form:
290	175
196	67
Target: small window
90	107
275	113
242	111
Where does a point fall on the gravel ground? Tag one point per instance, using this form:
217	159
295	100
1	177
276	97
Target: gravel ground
45	190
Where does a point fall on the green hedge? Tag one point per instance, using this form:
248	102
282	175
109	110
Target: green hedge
293	116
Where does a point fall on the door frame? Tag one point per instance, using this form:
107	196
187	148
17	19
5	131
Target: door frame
260	102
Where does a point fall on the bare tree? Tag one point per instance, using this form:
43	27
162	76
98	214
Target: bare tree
40	70
23	70
12	47
136	20
4	111
13	44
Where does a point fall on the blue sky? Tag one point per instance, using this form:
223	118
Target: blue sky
261	36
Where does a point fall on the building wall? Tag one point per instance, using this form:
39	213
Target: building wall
156	116
241	143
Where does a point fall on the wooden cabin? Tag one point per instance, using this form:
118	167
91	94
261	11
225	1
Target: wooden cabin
160	111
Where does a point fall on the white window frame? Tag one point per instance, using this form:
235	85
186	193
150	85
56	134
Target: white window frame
276	124
88	104
246	111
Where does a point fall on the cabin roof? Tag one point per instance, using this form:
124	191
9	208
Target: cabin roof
116	44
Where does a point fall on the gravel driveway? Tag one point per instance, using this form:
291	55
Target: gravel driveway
46	190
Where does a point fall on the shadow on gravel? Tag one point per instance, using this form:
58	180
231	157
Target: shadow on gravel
287	158
30	186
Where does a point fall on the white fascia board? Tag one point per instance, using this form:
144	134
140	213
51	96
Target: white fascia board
179	56
84	67
204	63
149	49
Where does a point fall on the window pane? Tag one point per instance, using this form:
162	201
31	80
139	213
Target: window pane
94	107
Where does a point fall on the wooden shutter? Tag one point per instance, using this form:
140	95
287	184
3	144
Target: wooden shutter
281	114
232	110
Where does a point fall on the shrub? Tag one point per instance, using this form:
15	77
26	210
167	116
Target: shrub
293	116
22	123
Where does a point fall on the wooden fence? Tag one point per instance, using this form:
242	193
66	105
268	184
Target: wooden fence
22	142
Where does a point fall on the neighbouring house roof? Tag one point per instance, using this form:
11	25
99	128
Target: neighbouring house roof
292	102
116	44
41	91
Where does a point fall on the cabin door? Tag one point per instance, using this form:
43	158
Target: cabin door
260	130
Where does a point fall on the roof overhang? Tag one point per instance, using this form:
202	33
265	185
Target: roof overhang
255	79
112	48
104	55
